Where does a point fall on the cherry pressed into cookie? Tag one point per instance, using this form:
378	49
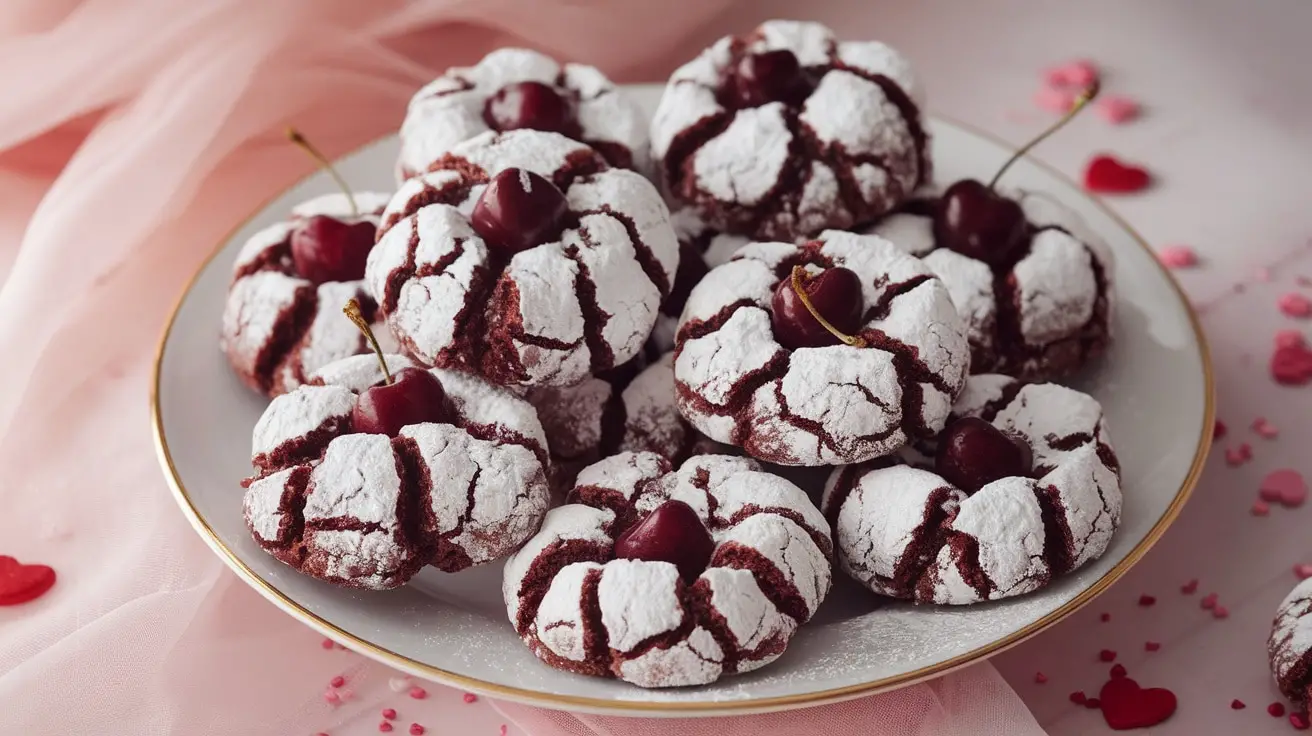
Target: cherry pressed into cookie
524	258
787	131
517	89
1022	486
282	320
361	480
669	578
837	351
1290	644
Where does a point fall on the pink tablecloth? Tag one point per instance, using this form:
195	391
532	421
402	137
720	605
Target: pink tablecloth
146	633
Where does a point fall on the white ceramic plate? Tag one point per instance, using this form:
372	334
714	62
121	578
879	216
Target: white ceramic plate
1155	386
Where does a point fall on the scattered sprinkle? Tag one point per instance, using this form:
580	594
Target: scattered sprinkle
1294	304
326	644
471	698
1276	709
1298	721
1303	570
1260	508
1107	655
1220	612
1054	99
1146	600
1040	678
418	693
1218	430
1285	486
1237	704
1117	109
331	697
503	729
1178	256
1265	429
389	714
1152	646
337	681
1291	365
1189	587
1236	456
1078	73
1105	174
416	729
385	727
1289	338
1105	617
1078	697
1093	704
1208	601
1118	670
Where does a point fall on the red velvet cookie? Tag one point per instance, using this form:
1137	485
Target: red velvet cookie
560	280
1039	313
1021	487
283	317
1290	644
513	89
665	579
786	131
744	381
369	510
701	248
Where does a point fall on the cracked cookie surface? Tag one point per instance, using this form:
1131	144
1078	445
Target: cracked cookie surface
581	610
450	109
827	405
849	150
1290	644
278	328
1042	314
906	532
369	511
553	314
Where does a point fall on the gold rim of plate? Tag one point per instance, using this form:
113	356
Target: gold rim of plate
756	705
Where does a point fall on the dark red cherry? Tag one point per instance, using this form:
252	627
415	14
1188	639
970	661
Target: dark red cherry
413	397
519	210
672	533
770	76
975	221
836	295
973	453
532	105
327	249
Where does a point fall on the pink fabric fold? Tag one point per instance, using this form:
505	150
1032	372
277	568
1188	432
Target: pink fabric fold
135	134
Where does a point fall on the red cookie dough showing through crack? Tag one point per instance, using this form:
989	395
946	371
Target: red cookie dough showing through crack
904	531
1040	314
1290	644
630	408
281	325
639	619
828	405
786	131
369	511
579	303
515	89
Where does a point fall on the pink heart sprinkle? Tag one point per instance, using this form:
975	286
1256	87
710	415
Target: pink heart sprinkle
1294	304
1177	256
1220	612
1054	99
1265	429
1075	73
1286	486
1208	601
1290	339
1260	508
1117	109
1303	570
1040	678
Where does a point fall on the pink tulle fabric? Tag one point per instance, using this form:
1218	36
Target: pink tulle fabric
134	134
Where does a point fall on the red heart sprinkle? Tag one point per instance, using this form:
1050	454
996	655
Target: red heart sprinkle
1040	678
1105	174
1078	697
1146	600
1291	364
1105	617
1237	704
21	583
1125	705
1118	670
1189	587
1107	655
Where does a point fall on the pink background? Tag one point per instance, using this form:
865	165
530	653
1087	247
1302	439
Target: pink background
147	633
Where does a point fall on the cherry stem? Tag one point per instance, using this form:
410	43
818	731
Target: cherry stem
800	277
1080	103
353	313
300	142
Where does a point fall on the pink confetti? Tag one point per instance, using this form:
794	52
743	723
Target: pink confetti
418	693
1117	109
1151	646
1208	601
1265	429
1303	570
1040	678
1236	456
337	681
326	644
1237	704
1054	99
1260	508
1146	600
1294	304
503	729
471	698
1285	486
1178	256
416	729
389	714
1289	339
1189	587
1076	73
1220	612
1291	365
